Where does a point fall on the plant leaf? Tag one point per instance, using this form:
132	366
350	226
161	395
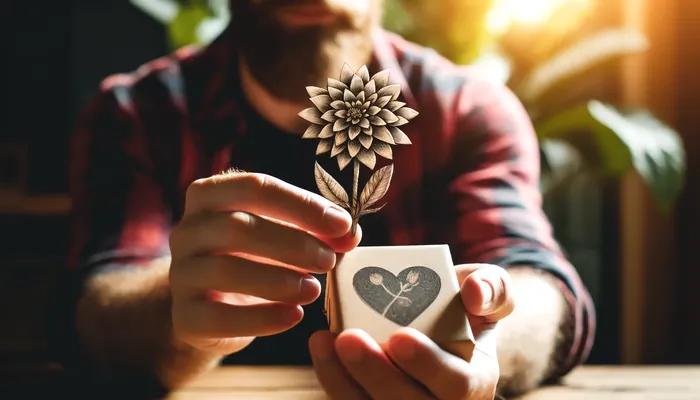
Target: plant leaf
366	211
330	188
582	56
376	187
559	163
613	142
658	153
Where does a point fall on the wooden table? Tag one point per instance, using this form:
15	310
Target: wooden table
585	383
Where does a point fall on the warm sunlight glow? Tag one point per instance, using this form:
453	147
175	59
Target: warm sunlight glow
531	11
506	12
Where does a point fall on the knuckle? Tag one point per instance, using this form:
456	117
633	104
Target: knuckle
310	202
240	223
194	189
241	219
252	182
307	199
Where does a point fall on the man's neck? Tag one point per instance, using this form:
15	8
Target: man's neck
282	114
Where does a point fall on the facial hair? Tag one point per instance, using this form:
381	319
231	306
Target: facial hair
285	59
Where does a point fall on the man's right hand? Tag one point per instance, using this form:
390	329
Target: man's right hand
241	257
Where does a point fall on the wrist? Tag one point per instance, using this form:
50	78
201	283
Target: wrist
529	336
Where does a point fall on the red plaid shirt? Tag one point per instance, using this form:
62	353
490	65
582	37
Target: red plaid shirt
470	178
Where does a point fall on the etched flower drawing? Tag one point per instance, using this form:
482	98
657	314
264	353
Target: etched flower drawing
376	279
412	280
357	116
412	277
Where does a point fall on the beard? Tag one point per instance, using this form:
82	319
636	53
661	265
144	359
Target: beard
285	59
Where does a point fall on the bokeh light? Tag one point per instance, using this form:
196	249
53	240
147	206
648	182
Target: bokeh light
504	13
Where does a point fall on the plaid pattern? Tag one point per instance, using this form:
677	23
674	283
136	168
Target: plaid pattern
470	179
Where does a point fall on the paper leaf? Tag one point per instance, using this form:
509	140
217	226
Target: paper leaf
377	186
330	188
366	211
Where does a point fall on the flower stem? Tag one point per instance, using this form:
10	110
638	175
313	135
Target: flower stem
394	295
355	212
392	303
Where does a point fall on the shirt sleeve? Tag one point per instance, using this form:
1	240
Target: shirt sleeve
499	216
119	216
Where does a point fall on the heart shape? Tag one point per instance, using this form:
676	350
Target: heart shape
399	298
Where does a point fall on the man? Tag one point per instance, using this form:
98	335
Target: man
183	265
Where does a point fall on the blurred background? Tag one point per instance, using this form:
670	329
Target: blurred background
612	86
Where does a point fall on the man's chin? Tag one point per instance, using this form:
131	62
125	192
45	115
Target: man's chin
286	61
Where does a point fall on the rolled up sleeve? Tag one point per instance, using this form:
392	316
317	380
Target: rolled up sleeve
498	206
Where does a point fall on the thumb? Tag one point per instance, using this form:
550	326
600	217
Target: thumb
486	292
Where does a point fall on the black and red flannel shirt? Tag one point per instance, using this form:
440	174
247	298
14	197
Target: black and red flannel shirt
470	178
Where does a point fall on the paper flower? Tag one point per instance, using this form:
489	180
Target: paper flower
357	117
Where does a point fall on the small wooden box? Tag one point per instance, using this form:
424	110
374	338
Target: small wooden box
380	289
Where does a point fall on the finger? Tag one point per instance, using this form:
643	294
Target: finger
341	244
233	274
331	373
443	374
215	320
367	363
265	195
486	291
345	243
240	232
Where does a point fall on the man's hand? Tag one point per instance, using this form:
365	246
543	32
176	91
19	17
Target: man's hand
410	366
241	258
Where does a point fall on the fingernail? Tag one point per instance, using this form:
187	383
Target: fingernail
308	285
325	258
335	217
489	294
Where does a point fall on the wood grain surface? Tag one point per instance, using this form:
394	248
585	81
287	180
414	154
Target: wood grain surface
589	382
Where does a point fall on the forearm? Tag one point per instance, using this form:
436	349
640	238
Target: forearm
534	333
123	322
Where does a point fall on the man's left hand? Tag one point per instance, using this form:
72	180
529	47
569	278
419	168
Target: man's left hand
352	365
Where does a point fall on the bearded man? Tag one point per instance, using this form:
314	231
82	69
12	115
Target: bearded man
181	265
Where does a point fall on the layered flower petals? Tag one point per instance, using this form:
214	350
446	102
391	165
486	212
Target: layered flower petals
357	117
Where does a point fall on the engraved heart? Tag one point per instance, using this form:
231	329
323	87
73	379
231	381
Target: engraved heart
399	298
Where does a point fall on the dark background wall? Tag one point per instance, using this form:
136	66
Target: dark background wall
58	53
55	53
688	302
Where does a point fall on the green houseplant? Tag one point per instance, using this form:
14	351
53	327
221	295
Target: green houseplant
556	70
